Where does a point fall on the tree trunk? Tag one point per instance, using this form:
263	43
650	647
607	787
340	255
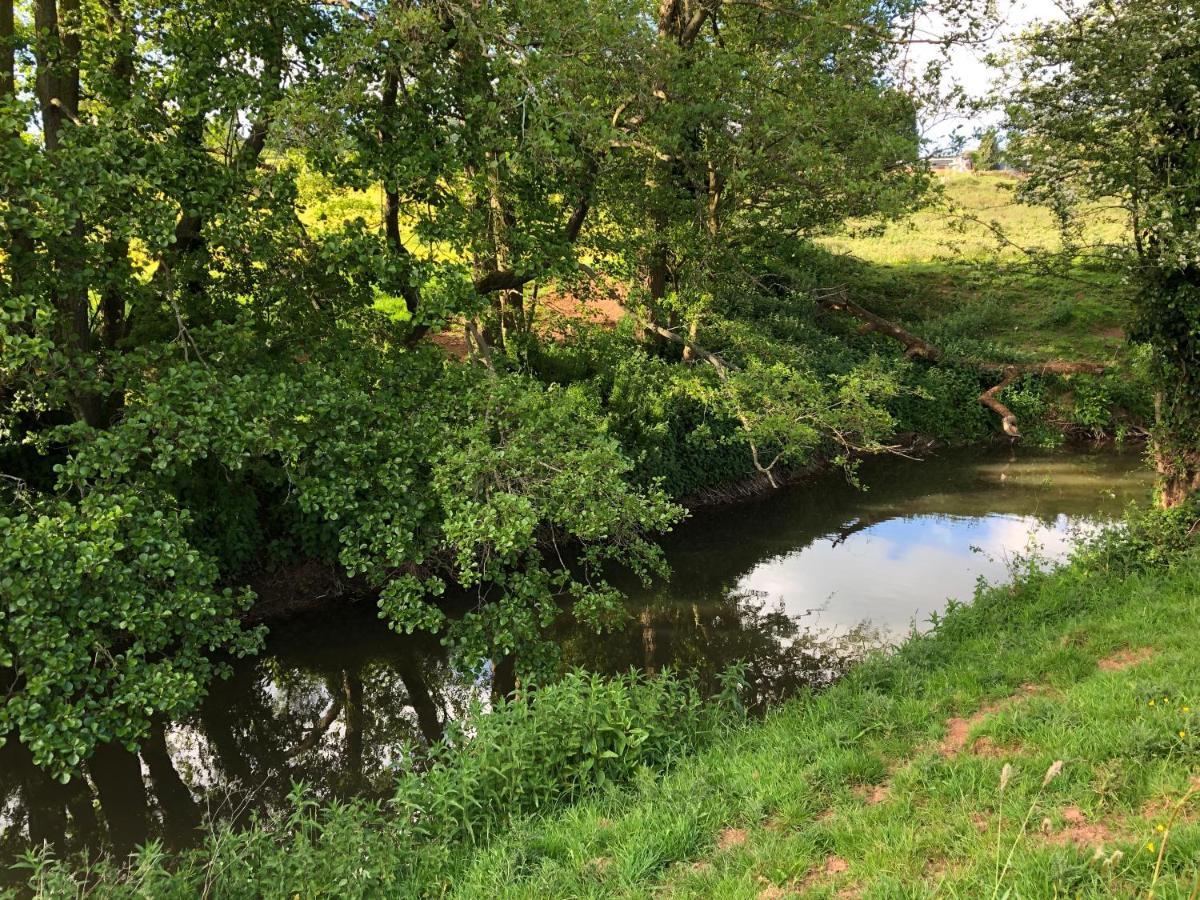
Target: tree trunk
1178	477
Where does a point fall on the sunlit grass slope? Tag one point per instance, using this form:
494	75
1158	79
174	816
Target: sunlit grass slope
945	272
1043	743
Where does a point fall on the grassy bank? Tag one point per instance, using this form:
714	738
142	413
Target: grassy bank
1040	742
893	784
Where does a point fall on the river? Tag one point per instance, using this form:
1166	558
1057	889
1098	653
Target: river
795	585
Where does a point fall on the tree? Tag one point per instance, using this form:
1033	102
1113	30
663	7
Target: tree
1105	107
988	156
196	388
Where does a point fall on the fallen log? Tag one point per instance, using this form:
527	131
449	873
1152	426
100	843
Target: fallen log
837	301
989	398
914	346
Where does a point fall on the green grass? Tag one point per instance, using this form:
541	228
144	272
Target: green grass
948	230
787	807
945	275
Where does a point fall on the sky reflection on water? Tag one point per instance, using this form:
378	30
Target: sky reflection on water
894	574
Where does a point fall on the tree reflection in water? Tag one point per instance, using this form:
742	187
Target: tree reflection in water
342	709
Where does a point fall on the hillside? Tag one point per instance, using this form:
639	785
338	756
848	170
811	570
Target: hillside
948	274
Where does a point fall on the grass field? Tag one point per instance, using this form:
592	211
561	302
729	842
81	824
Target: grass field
944	272
1042	743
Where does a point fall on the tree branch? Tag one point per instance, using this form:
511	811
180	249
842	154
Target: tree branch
836	300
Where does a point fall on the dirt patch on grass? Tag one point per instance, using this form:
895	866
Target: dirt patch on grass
775	892
1126	659
731	837
989	749
958	728
1077	831
831	868
873	794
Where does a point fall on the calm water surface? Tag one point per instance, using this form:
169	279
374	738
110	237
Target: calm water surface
338	700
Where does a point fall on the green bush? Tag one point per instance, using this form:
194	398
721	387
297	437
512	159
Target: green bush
942	403
655	408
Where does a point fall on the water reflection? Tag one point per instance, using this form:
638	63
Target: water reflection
339	701
924	532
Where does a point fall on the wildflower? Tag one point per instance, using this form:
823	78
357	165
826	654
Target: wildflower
1160	827
1183	734
1187	709
1150	846
1151	703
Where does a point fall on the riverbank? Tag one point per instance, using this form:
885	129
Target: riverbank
1039	742
888	782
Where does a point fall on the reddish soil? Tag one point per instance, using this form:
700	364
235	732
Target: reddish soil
1077	831
832	867
959	728
873	795
453	341
1126	659
600	306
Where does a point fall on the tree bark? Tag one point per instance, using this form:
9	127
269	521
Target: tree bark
1178	476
